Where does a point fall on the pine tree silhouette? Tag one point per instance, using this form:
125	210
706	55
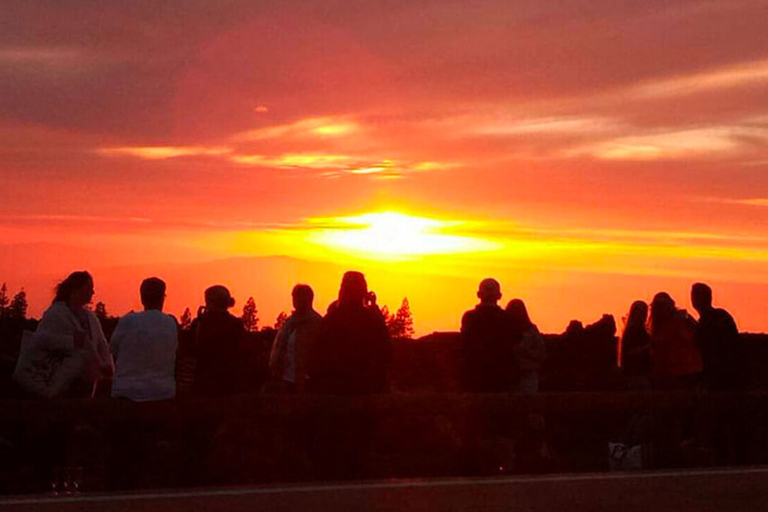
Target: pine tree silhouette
399	325
4	301
186	320
280	320
18	306
101	311
404	319
250	316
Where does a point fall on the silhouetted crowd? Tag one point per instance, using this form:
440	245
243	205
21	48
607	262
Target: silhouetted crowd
670	350
348	351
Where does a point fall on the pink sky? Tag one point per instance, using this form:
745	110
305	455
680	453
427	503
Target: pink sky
607	150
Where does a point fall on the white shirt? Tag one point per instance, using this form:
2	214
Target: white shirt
144	346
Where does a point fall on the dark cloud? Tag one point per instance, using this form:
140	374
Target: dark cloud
163	70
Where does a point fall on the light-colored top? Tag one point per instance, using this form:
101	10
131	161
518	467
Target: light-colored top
293	342
144	345
531	351
60	330
289	374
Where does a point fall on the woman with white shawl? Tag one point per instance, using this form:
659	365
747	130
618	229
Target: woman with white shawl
73	332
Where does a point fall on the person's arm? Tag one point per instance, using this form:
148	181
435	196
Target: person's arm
306	337
175	334
538	351
277	353
106	364
316	358
117	338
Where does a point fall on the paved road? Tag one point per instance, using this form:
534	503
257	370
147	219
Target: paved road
692	491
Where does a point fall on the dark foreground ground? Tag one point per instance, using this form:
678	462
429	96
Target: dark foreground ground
692	491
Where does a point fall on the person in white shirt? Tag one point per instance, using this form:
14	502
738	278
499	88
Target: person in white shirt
144	347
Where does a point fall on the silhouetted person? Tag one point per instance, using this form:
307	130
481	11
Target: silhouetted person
529	346
725	369
488	344
353	350
675	359
67	326
351	357
725	366
144	347
217	345
295	341
635	348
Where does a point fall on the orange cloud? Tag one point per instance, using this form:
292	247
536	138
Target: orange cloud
740	75
312	127
164	152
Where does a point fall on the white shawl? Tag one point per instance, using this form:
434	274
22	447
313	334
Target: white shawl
57	332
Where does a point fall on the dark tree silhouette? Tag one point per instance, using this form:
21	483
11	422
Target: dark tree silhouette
280	321
250	316
400	325
405	319
4	301
101	311
18	306
186	320
386	314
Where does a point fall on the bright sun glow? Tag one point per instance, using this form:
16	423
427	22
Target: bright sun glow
391	235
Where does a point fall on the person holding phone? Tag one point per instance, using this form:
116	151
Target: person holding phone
353	351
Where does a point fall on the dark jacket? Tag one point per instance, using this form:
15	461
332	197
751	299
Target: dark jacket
488	350
636	352
217	352
722	354
352	352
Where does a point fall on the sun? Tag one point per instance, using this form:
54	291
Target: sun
393	235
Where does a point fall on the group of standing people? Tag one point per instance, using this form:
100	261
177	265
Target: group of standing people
348	351
663	347
502	349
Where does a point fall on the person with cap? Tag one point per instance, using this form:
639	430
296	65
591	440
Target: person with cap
353	351
217	345
488	344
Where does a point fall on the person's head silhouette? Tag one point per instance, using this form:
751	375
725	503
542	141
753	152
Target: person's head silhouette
701	297
353	289
518	313
303	296
638	315
76	290
218	298
489	291
152	293
663	304
663	310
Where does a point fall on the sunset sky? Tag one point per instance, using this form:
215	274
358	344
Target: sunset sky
585	153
